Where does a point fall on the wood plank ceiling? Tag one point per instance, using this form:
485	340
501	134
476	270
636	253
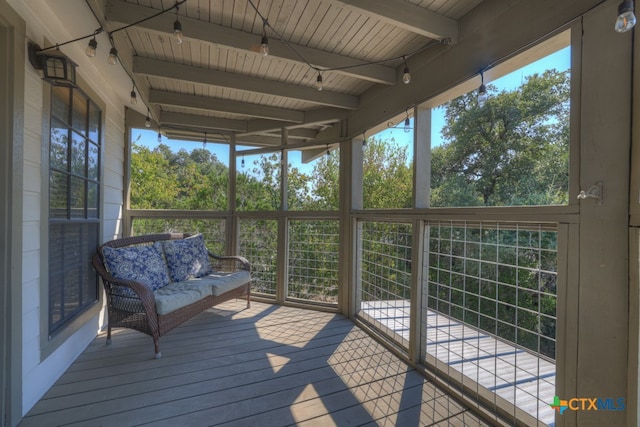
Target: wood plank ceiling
218	82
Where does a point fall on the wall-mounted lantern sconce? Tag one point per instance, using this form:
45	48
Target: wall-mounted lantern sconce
56	67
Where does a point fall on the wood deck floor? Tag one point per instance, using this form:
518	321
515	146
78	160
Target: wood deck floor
518	376
264	366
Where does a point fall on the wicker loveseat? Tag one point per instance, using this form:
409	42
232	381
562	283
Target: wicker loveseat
156	282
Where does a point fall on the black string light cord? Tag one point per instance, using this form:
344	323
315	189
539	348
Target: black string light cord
111	33
405	56
265	23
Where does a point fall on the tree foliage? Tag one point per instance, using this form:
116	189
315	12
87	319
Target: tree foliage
513	151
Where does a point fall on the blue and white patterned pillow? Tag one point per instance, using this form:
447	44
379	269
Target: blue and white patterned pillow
187	258
143	264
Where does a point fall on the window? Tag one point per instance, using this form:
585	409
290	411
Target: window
74	197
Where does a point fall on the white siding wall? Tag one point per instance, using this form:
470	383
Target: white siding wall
39	374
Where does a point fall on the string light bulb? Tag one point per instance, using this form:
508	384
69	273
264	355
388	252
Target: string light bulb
91	47
407	124
319	84
406	75
159	137
113	56
364	140
264	43
147	120
177	31
242	162
134	96
328	153
177	26
626	18
482	92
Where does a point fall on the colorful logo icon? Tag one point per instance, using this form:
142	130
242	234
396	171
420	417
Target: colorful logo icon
559	405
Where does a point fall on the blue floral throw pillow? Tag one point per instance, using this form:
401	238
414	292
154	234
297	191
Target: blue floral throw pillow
140	263
187	258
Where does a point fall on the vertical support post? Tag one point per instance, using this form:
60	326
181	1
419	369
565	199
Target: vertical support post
353	196
422	157
283	228
417	323
232	228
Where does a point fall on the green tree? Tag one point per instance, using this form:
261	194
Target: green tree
512	151
387	175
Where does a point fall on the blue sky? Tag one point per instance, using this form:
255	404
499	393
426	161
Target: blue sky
560	60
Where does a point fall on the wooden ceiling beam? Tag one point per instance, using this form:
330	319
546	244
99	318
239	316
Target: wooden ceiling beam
409	16
174	71
204	122
225	106
127	13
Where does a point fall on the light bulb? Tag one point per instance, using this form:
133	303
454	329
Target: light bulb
242	162
159	137
319	85
147	122
91	48
406	77
626	18
113	56
177	31
134	97
264	46
482	95
407	125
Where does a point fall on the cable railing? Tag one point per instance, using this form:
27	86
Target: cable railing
313	260
488	292
384	277
213	230
488	320
259	244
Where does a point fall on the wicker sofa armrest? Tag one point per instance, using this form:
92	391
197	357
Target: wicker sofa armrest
229	263
144	292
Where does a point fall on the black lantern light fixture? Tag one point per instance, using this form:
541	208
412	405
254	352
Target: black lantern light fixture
56	67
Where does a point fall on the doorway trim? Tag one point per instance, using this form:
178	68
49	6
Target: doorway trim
12	68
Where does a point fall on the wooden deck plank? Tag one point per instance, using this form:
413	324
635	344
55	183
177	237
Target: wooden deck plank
268	365
513	373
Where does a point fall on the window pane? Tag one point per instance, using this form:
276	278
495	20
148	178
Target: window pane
92	200
92	159
89	290
513	150
60	102
313	179
77	197
78	155
58	194
79	112
73	282
59	148
258	181
94	122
